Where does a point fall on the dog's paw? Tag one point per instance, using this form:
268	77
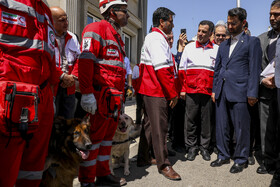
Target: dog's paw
126	172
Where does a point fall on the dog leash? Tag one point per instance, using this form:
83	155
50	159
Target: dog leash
129	139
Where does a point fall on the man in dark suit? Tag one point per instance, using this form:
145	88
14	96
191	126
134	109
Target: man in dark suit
268	107
275	22
235	85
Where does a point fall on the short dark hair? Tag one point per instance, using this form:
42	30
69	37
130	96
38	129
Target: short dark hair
239	12
161	13
275	3
209	23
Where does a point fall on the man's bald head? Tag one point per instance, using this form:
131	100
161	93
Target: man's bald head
60	20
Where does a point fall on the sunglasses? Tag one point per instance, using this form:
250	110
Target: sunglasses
219	35
122	10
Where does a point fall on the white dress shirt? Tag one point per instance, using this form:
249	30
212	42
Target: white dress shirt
234	41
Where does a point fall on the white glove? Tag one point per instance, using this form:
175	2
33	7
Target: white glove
88	103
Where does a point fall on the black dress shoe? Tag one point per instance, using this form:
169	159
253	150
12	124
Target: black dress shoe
251	160
275	182
110	180
87	185
261	169
205	154
192	154
236	168
219	162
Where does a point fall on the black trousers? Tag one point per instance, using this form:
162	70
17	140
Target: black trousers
198	108
269	125
177	124
139	108
272	135
65	104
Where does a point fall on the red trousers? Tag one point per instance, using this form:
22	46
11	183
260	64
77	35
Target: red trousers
22	166
102	131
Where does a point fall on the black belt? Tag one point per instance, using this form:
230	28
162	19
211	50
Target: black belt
97	88
44	84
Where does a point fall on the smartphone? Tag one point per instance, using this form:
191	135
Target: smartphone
183	31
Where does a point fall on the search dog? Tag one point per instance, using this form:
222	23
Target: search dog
126	131
69	145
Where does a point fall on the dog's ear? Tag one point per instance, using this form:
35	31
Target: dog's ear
72	124
86	120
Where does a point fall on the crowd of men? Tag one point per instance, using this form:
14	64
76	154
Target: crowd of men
203	99
226	85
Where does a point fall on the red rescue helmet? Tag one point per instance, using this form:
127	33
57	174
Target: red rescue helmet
105	4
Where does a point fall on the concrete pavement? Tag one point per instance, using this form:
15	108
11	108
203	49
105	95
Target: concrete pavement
197	173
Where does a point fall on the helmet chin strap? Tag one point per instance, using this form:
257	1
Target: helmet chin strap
114	23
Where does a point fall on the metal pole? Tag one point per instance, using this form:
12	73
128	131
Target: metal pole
237	3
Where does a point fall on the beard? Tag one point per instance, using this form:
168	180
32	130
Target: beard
275	25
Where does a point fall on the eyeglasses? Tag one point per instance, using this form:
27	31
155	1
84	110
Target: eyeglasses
121	10
221	35
274	14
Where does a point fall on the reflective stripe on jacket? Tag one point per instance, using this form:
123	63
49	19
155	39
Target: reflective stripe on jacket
27	42
156	67
197	68
101	62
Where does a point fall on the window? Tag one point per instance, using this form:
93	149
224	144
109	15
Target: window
127	39
91	18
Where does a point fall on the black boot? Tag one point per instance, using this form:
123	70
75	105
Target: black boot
110	180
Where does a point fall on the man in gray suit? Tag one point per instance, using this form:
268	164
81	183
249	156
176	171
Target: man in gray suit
269	117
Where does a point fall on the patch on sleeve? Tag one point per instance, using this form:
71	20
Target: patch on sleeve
86	44
112	52
51	39
13	19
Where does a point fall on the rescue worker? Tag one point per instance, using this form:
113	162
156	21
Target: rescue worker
67	53
102	72
27	59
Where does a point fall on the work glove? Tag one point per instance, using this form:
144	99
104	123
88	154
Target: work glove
129	92
88	103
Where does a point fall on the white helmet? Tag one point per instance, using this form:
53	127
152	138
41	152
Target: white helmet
105	4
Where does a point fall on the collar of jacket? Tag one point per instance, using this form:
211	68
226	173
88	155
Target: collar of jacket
207	45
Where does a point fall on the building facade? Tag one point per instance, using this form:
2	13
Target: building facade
82	12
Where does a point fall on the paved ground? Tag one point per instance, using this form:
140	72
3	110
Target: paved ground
197	173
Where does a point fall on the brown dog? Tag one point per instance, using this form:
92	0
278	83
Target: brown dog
126	131
69	145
